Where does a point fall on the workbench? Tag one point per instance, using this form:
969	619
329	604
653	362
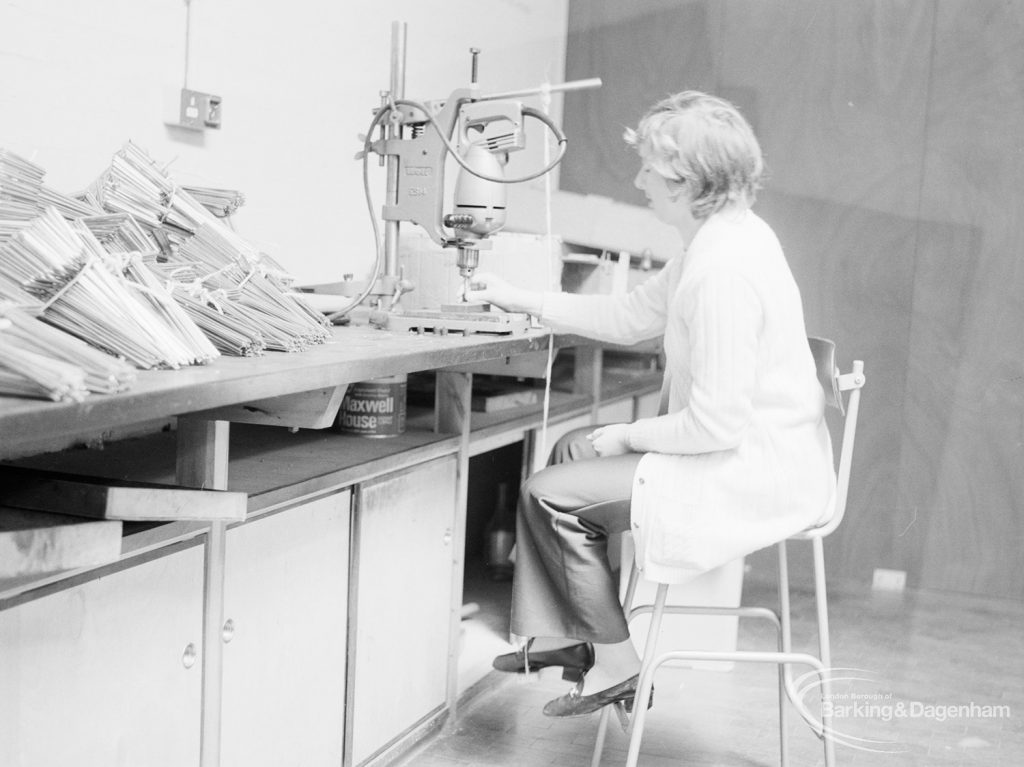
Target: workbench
322	629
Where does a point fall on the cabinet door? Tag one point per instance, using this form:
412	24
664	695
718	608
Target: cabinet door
402	609
106	672
285	609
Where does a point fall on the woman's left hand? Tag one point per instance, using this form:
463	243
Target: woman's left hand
610	440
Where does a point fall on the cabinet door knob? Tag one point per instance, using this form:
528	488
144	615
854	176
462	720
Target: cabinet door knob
188	657
228	632
447	538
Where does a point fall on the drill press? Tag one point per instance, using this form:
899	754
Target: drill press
415	139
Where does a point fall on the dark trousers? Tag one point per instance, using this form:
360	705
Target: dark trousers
563	584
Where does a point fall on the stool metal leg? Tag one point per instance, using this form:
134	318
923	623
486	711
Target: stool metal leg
602	725
785	623
824	647
784	646
634	580
784	658
602	731
647	669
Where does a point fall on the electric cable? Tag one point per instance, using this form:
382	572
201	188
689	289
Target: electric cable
378	245
529	111
548	237
188	37
368	147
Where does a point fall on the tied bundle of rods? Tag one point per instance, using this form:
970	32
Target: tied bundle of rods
112	301
37	360
20	185
69	207
142	270
220	202
238	295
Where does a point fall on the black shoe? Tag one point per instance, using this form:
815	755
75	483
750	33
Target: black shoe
574	704
575	660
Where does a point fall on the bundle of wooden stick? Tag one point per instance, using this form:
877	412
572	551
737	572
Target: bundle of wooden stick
220	202
256	285
69	207
120	233
20	182
178	284
37	360
110	301
11	292
237	294
134	184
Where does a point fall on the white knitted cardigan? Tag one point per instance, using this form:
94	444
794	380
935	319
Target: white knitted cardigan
742	457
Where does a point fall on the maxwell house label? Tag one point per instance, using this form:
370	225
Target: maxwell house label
374	408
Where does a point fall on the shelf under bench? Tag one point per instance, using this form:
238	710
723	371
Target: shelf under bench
353	354
273	465
276	466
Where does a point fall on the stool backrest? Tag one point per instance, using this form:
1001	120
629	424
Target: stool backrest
834	384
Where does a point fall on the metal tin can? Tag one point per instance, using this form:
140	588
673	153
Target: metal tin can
374	408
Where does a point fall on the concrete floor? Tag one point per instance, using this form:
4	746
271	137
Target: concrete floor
953	662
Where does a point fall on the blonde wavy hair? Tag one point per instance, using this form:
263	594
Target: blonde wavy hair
704	141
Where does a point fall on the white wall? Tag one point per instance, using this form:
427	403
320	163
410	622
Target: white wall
78	78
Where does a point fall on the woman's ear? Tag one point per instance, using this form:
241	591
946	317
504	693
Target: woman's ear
678	188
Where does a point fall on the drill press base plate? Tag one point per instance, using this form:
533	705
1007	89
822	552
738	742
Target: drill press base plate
442	322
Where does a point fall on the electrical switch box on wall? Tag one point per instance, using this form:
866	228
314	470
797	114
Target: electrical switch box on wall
194	110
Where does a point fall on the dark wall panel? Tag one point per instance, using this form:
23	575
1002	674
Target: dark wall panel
894	136
841	90
842	116
858	297
642	51
967	344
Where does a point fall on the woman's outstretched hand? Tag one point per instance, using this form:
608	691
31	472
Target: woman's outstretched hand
610	440
487	287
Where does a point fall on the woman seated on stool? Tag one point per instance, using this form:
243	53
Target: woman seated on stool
740	456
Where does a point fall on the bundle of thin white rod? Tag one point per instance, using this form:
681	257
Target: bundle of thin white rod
220	202
120	233
37	360
112	301
232	328
20	184
237	294
138	268
257	289
69	207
